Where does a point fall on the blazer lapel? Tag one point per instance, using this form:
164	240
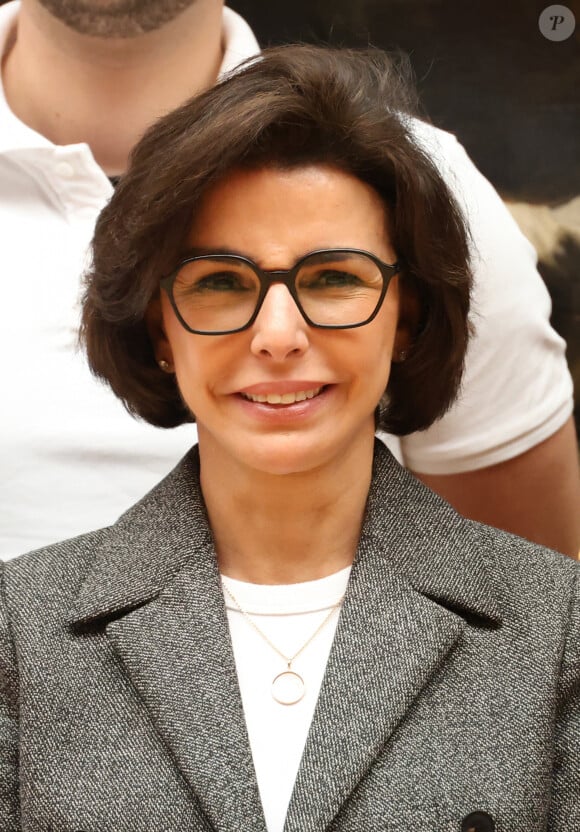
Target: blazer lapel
389	642
176	650
398	624
164	616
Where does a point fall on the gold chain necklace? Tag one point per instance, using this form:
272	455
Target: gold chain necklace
288	687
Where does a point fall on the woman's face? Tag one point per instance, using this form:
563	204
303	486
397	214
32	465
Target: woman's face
274	217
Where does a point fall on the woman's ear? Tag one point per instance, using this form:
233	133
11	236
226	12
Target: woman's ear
157	335
408	322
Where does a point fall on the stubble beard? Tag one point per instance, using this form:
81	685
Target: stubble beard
115	18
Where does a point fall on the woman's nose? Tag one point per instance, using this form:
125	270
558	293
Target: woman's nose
279	331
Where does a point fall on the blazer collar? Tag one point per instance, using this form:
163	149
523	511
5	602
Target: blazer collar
139	555
425	541
154	587
422	538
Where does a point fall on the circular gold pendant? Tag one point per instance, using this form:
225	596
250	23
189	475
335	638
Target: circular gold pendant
288	688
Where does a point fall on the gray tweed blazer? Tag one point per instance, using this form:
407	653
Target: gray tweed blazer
451	700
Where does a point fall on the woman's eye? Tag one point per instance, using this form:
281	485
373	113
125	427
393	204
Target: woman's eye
221	282
332	278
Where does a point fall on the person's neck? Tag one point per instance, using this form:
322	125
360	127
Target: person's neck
271	529
73	88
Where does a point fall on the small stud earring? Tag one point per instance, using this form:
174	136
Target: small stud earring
402	355
164	365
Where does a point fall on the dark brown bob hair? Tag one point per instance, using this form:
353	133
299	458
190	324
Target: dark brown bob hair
296	105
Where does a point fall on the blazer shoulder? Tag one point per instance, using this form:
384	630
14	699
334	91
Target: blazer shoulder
531	575
52	573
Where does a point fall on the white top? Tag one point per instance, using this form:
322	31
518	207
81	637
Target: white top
288	615
517	389
72	459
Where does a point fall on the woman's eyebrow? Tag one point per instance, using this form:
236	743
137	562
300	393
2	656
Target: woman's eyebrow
333	255
330	255
195	251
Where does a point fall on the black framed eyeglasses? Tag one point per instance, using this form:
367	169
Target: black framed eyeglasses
218	294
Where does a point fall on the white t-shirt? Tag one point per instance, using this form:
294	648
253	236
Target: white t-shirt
288	615
72	459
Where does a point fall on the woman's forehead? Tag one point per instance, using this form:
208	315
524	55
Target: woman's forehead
280	214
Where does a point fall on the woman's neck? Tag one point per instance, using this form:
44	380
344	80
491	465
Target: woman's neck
273	529
106	91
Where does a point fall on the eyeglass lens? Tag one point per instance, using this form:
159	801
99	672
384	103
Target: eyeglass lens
217	294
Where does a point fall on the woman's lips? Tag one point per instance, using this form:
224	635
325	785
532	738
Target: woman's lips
274	406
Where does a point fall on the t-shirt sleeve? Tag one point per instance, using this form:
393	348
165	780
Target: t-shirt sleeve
517	389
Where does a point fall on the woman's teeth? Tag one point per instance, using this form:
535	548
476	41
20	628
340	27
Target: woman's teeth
283	398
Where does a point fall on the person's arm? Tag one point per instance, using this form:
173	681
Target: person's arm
505	453
535	495
9	803
565	798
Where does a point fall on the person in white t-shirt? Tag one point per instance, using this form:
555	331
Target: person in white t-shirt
290	632
81	82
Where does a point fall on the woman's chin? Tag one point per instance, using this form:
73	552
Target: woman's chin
280	454
284	456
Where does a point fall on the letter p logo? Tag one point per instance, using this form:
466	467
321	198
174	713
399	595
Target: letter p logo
557	23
